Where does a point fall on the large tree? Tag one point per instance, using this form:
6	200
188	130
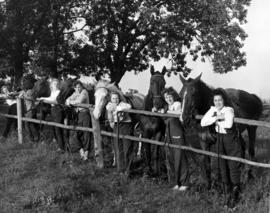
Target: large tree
20	23
54	52
125	34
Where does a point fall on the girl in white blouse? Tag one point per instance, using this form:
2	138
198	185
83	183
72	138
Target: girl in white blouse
54	86
221	115
57	114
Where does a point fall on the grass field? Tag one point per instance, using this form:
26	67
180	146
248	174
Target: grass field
34	178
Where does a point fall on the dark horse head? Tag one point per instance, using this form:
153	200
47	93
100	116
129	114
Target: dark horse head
196	99
66	90
41	88
28	82
157	84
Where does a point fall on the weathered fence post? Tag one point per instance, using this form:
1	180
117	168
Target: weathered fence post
19	120
97	141
117	152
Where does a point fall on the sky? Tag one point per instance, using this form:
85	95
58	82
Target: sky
254	77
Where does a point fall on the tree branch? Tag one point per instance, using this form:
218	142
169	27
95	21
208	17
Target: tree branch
77	30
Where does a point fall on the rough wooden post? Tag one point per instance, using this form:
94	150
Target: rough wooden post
117	152
19	120
97	141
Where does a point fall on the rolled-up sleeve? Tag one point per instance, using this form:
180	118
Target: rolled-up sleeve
208	119
53	96
227	123
123	106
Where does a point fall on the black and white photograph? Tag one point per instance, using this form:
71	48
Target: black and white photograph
134	106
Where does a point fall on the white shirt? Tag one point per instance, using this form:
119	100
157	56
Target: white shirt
175	108
112	110
210	118
11	101
53	96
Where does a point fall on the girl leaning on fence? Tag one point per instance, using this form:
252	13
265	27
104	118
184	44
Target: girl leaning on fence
80	96
125	146
222	117
175	135
56	114
30	111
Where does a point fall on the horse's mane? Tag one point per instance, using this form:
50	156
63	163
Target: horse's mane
111	87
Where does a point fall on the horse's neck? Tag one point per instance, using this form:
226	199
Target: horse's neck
148	102
91	94
204	98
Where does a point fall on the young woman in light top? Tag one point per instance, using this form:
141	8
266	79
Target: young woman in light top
221	115
176	135
125	127
54	86
57	114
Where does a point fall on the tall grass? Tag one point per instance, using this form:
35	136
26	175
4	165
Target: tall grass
34	178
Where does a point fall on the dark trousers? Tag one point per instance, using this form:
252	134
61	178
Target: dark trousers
12	110
83	137
178	157
107	145
32	128
228	144
57	114
125	146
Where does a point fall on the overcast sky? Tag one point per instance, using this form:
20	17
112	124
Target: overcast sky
254	77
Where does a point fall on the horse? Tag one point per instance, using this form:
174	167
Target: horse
197	99
153	127
103	89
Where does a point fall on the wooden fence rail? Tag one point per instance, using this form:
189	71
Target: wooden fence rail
97	133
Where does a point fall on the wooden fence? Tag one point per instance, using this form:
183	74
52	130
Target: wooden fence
97	132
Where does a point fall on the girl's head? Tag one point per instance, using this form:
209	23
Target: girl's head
54	85
78	87
170	95
4	89
115	98
220	98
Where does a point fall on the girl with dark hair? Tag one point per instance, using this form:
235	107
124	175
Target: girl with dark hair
176	135
222	116
80	96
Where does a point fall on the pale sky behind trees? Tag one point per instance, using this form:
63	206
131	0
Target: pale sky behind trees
254	77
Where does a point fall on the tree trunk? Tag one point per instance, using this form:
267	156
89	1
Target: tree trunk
18	66
117	74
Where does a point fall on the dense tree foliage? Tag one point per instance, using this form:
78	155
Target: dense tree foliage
127	33
123	35
20	23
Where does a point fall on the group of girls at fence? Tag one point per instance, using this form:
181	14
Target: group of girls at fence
221	115
80	96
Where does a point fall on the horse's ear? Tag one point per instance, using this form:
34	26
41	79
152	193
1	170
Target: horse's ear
164	70
198	78
152	70
183	80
